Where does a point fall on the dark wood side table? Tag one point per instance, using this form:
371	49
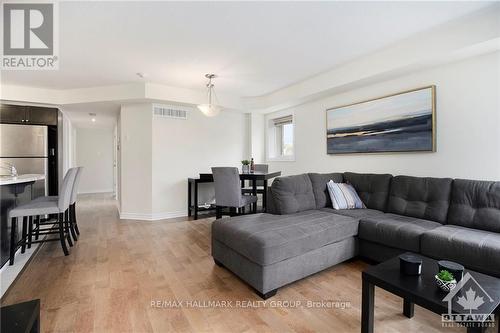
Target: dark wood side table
21	318
193	208
423	291
253	177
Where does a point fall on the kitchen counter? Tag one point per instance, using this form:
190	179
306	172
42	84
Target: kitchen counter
26	178
14	191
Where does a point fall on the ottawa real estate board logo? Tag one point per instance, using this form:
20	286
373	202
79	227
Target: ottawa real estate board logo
467	303
30	36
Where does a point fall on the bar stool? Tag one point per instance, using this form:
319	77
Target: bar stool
72	203
43	207
69	215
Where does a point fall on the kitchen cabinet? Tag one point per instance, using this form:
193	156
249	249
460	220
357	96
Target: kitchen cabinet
41	116
28	115
13	114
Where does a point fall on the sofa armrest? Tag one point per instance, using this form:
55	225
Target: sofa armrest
271	205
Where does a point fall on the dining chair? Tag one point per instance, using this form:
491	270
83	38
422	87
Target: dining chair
43	207
260	183
264	168
228	191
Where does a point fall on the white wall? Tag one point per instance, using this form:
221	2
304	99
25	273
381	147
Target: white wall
94	152
468	123
135	161
257	137
69	144
184	148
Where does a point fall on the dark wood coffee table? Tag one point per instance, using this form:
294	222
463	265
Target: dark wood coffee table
422	290
21	318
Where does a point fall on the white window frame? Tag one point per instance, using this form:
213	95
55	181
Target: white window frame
272	138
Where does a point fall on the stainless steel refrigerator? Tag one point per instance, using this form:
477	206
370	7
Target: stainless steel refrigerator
26	147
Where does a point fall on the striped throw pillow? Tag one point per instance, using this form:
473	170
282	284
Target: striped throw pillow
344	196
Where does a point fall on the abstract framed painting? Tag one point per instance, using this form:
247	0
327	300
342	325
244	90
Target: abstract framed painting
402	122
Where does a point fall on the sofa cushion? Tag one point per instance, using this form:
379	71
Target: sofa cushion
373	189
356	213
397	231
475	249
293	194
344	196
423	198
475	204
320	191
266	239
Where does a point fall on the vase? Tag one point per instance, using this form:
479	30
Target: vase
446	286
245	168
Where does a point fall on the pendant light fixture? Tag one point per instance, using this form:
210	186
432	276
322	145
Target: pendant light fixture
211	109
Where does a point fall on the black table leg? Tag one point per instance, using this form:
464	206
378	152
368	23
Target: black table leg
264	197
195	203
36	325
13	231
30	230
24	232
189	198
37	223
254	193
408	308
367	307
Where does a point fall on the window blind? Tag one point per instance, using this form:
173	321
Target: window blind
283	120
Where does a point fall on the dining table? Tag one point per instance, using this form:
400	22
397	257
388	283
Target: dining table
253	177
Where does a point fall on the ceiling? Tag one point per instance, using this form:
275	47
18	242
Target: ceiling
255	47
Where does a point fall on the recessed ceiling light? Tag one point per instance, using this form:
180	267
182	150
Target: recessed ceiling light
93	120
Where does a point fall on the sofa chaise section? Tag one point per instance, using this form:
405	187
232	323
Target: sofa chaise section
267	239
269	251
355	213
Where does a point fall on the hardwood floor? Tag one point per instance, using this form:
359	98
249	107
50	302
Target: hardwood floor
118	268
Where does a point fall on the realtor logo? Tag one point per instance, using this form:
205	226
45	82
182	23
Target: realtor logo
470	300
29	36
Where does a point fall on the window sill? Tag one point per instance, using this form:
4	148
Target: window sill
281	159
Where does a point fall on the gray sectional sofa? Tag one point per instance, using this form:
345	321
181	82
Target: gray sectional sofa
301	234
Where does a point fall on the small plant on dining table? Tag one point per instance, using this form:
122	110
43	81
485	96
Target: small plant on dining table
245	166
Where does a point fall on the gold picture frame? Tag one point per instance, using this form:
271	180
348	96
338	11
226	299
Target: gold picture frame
395	123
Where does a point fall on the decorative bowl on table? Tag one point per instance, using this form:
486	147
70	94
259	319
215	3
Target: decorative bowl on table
410	264
445	281
454	268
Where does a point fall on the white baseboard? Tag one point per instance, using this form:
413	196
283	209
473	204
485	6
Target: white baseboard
96	191
151	217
